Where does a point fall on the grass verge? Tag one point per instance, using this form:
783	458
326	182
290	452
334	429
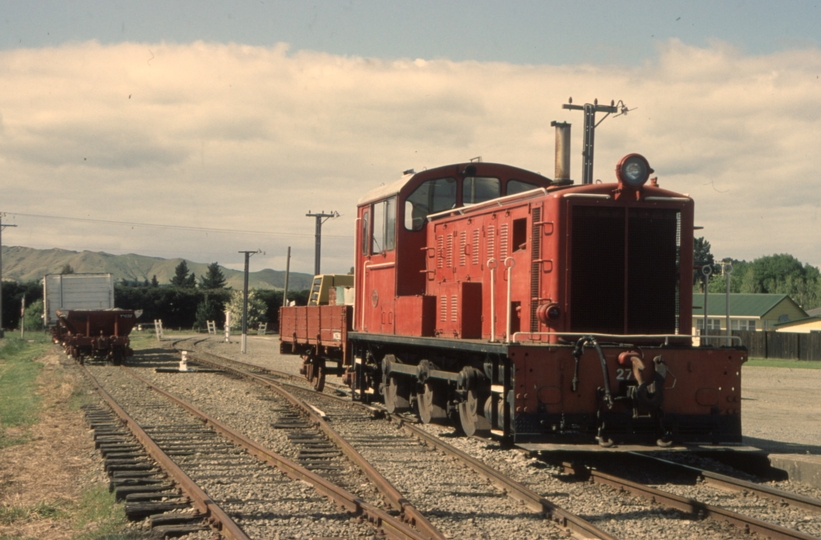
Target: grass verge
96	516
777	363
98	511
19	403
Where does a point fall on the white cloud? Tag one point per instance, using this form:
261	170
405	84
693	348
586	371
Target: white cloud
252	138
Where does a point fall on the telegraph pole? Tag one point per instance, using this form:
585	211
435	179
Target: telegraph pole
2	215
319	221
244	339
287	273
590	126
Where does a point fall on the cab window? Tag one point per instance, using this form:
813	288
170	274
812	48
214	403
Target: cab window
384	226
517	186
366	227
430	197
476	189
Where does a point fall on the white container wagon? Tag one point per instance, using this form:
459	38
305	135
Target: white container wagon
76	291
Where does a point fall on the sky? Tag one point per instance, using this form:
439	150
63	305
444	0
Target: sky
199	129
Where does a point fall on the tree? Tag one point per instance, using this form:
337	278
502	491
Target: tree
214	278
34	316
702	257
774	274
154	281
256	309
67	269
181	278
212	308
13	293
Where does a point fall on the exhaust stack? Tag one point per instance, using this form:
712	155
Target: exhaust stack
562	175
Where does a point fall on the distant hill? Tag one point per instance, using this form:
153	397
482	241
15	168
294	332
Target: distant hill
27	264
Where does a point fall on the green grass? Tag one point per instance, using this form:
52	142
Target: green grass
19	403
98	507
97	514
10	514
777	363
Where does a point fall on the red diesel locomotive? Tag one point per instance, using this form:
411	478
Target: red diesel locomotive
528	309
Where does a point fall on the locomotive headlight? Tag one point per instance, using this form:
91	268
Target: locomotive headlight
633	170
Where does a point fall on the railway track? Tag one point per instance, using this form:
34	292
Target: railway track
751	507
616	510
459	502
244	496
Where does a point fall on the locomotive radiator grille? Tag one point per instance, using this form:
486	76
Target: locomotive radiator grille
475	251
503	252
624	270
463	242
491	242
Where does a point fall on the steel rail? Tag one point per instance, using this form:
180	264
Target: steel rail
577	526
409	512
389	525
736	484
216	515
745	523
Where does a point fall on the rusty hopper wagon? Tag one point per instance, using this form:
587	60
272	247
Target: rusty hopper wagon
86	333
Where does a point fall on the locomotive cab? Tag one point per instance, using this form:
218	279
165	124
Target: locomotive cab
392	247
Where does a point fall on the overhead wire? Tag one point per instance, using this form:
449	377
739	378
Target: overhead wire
168	226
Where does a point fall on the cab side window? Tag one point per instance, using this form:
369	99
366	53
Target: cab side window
430	197
366	227
384	226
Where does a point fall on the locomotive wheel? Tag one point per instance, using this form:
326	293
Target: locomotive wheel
470	416
433	404
397	394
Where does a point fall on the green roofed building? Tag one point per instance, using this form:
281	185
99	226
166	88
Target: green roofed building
747	311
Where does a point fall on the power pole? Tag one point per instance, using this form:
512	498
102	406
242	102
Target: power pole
287	273
2	215
590	126
319	221
244	339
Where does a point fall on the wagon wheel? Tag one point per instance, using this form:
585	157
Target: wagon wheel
397	394
432	403
470	415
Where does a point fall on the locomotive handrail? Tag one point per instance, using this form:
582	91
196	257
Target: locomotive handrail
492	202
491	264
586	196
666	337
380	266
667	199
510	262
